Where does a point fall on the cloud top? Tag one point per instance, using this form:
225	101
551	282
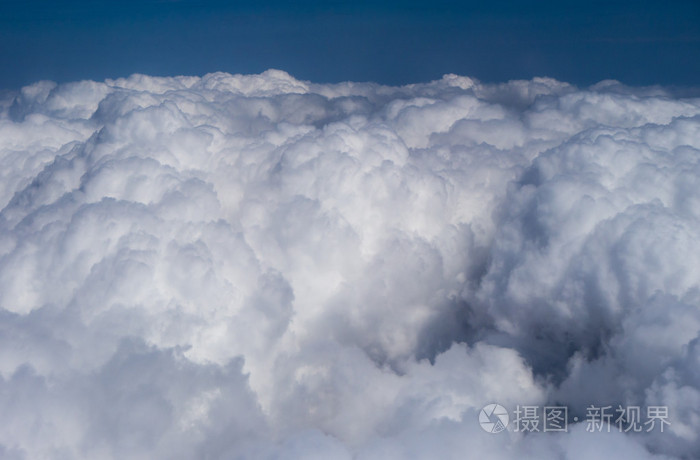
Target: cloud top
252	266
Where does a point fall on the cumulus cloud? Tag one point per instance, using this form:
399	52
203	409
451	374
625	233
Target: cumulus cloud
252	266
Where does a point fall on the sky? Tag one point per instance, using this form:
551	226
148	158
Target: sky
391	42
233	231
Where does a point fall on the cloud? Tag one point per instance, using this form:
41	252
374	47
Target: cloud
252	266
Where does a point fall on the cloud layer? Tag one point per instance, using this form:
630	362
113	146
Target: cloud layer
259	267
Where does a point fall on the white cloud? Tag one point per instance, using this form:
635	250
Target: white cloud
259	267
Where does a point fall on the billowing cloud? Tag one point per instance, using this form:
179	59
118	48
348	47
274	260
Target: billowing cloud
260	267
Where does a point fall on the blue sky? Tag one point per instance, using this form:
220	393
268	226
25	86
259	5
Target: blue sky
639	43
